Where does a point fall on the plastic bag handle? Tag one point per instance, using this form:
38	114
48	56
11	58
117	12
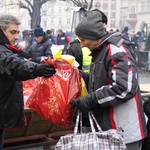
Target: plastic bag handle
77	123
92	121
95	138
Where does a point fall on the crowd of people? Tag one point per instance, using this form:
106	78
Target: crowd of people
31	38
110	73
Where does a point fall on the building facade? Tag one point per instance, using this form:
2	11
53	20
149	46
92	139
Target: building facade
112	10
135	14
60	14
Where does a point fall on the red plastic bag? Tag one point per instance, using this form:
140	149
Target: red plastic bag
51	97
28	87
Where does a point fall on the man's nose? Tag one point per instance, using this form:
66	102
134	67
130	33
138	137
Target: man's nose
16	36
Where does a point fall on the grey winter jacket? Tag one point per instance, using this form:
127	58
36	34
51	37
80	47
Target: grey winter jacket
37	50
114	81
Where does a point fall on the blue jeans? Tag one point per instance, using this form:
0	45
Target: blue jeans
1	138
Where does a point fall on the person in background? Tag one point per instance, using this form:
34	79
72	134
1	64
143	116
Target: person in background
125	32
111	31
13	70
76	51
117	30
136	40
50	35
63	39
113	90
28	38
82	55
40	49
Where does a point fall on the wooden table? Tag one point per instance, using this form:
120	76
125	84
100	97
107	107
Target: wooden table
145	88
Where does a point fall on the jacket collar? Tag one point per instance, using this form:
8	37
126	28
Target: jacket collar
3	38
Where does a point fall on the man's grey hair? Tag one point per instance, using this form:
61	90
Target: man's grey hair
5	20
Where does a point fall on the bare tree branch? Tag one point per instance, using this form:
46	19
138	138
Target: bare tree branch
77	3
29	3
21	5
43	1
90	5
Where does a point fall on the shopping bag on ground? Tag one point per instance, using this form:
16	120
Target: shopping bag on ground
51	97
101	140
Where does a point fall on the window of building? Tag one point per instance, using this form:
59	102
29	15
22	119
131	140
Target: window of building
11	2
45	23
44	13
52	20
52	9
112	24
113	6
105	6
29	22
68	21
132	9
59	10
11	10
148	6
2	10
97	5
113	15
121	13
143	6
59	21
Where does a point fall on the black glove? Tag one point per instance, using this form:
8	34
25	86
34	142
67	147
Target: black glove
85	103
45	70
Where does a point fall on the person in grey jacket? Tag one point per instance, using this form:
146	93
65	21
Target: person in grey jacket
13	70
113	91
39	49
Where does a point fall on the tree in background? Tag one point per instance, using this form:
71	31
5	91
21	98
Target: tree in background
84	4
33	7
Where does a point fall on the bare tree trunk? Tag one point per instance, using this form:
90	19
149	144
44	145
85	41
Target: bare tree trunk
34	10
35	16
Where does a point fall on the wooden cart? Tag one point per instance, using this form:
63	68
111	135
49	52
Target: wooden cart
38	132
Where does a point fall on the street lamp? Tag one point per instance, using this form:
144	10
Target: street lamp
147	29
77	15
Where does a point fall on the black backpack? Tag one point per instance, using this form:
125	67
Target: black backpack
146	141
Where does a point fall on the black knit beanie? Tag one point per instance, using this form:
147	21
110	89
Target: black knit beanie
91	26
38	31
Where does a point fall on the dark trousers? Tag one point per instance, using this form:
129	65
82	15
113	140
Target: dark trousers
134	146
1	138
